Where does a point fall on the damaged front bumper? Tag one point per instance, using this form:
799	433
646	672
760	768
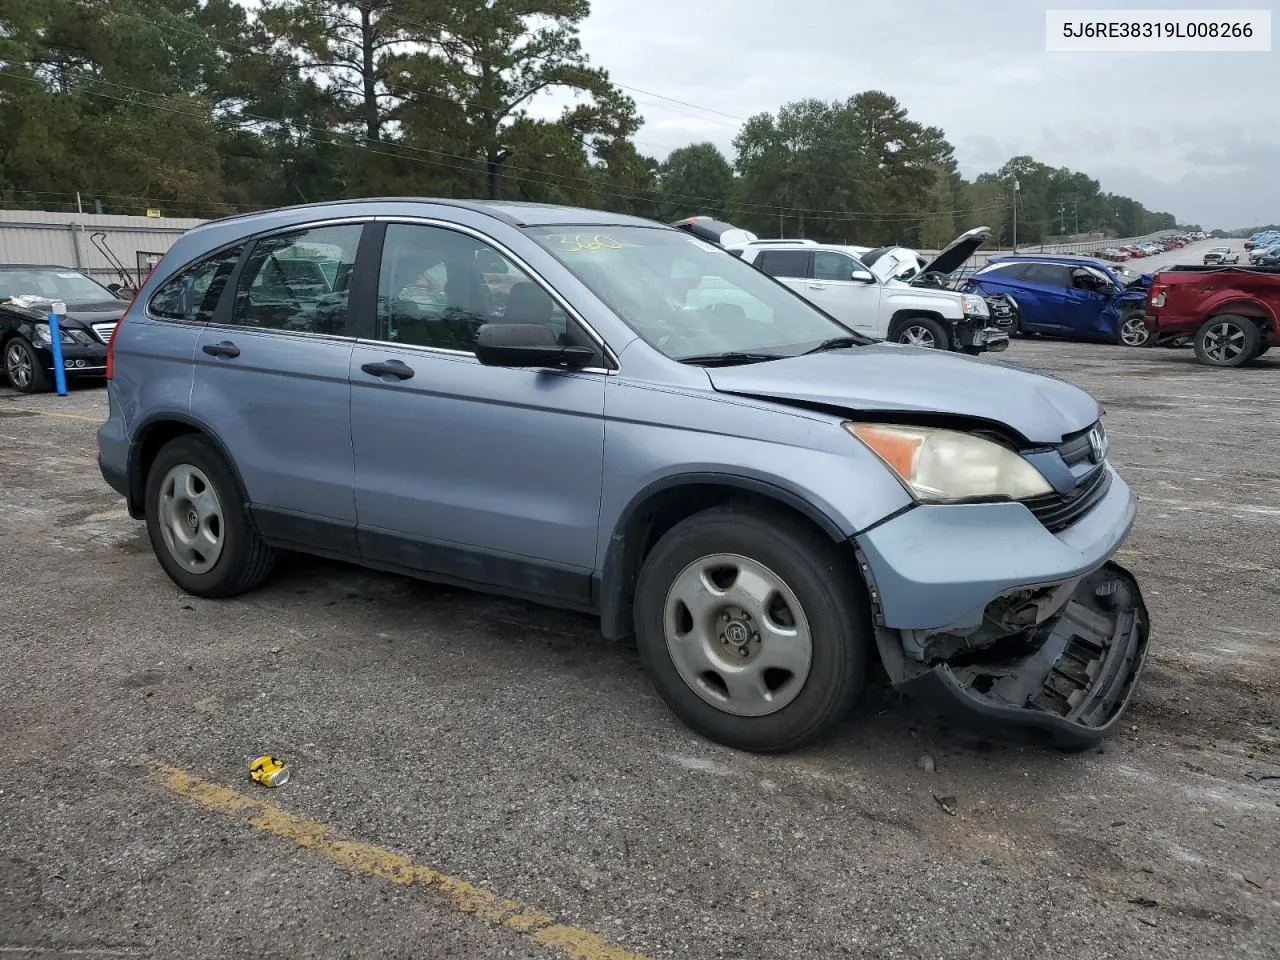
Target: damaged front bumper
982	612
1067	678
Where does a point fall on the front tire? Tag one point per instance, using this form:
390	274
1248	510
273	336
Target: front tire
1227	340
23	367
753	628
199	525
1132	331
923	332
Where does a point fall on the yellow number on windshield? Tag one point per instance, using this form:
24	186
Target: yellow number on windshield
575	243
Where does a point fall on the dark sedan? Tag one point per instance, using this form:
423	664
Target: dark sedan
92	312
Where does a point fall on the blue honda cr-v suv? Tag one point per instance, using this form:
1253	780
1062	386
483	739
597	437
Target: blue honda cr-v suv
575	407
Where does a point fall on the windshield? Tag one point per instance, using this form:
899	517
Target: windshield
65	285
686	297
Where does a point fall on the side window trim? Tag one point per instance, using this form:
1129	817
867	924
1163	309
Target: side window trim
222	312
610	360
362	305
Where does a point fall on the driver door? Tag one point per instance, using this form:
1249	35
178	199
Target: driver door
1084	303
488	475
855	303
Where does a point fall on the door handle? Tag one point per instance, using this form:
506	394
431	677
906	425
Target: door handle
224	349
817	286
388	368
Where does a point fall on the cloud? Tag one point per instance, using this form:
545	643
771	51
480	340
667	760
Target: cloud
1188	133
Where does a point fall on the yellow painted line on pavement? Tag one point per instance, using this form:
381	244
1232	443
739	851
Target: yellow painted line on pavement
367	858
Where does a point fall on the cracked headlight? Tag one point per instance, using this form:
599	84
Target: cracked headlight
935	464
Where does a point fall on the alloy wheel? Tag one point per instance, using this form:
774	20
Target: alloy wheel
918	336
1134	333
1224	342
17	365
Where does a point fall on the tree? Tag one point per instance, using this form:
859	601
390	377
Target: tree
486	63
696	179
352	44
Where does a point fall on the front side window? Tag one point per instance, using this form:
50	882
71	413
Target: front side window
298	281
687	297
828	265
437	287
193	294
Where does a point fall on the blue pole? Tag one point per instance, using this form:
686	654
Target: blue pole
55	335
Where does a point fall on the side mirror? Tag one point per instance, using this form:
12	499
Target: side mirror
862	276
526	345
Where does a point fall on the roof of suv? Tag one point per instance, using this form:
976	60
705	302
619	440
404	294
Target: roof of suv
517	213
1066	260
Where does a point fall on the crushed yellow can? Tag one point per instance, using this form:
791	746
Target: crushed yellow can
269	771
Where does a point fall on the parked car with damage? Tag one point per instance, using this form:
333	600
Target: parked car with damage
1229	315
25	338
889	293
764	499
1066	296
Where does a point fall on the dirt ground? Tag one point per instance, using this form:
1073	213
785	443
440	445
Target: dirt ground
443	744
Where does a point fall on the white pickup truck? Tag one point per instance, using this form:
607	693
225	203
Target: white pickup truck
888	292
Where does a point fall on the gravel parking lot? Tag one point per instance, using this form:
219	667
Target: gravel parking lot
446	746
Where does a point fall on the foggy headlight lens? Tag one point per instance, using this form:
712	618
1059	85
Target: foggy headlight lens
936	464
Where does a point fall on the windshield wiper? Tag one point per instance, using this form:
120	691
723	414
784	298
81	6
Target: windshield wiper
730	358
835	343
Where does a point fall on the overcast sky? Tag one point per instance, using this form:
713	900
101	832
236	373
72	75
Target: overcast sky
1196	134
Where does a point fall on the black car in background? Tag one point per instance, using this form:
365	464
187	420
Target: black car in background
92	311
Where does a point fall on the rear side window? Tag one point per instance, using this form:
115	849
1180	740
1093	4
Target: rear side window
193	294
298	281
784	263
1050	274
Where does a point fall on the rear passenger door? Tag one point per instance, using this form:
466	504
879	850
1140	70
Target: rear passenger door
480	474
272	381
1047	286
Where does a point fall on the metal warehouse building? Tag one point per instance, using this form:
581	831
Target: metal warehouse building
71	240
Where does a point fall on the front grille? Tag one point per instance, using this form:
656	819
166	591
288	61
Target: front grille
104	330
1001	309
1057	511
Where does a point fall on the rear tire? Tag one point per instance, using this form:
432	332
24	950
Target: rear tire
199	525
923	332
1227	340
753	627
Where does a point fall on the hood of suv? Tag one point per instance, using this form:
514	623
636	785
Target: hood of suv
886	378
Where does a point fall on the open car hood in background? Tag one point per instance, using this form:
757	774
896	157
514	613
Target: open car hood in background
953	256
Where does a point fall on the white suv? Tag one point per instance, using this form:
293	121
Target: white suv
887	293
